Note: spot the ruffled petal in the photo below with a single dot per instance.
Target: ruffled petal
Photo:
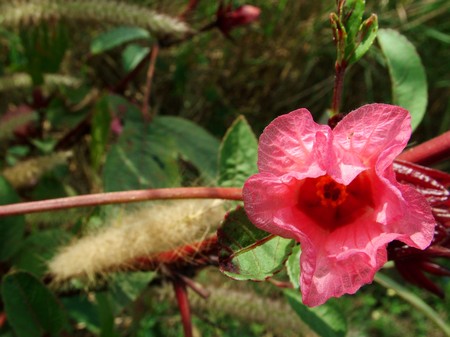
(370, 136)
(289, 144)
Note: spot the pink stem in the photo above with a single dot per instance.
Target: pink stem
(229, 193)
(183, 304)
(430, 152)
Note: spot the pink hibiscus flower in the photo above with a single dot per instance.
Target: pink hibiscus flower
(335, 192)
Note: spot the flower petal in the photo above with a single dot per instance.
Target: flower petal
(370, 136)
(289, 144)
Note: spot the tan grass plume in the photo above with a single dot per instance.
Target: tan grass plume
(150, 230)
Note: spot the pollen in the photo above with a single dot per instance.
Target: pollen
(330, 192)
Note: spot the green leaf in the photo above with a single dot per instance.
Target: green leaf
(293, 266)
(238, 154)
(32, 309)
(38, 248)
(351, 14)
(100, 130)
(248, 253)
(106, 315)
(409, 82)
(116, 37)
(132, 55)
(325, 320)
(194, 143)
(126, 287)
(12, 228)
(142, 158)
(415, 301)
(364, 40)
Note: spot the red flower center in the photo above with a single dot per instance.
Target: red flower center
(331, 204)
(330, 192)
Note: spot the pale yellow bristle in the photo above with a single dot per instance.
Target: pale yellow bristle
(149, 230)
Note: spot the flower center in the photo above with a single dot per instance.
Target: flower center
(330, 192)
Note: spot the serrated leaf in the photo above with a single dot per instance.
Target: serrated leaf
(32, 309)
(238, 154)
(132, 55)
(12, 228)
(116, 37)
(325, 320)
(142, 158)
(194, 143)
(409, 82)
(248, 253)
(293, 266)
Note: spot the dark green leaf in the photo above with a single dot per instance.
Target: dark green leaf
(325, 320)
(38, 248)
(293, 266)
(31, 308)
(132, 55)
(100, 129)
(116, 37)
(409, 82)
(238, 154)
(126, 287)
(106, 315)
(12, 228)
(141, 159)
(248, 253)
(194, 143)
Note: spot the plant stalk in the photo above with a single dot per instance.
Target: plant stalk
(340, 69)
(228, 193)
(430, 152)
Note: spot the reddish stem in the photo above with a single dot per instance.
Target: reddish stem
(430, 152)
(148, 84)
(338, 86)
(183, 304)
(229, 193)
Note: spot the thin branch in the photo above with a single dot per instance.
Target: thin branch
(148, 84)
(229, 193)
(183, 304)
(338, 86)
(430, 152)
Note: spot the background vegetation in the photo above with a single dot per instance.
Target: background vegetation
(60, 88)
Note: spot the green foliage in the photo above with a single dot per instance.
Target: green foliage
(12, 228)
(415, 301)
(100, 126)
(248, 253)
(408, 78)
(326, 320)
(116, 37)
(293, 267)
(32, 310)
(72, 66)
(238, 154)
(352, 35)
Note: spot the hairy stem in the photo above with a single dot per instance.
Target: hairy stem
(430, 152)
(229, 193)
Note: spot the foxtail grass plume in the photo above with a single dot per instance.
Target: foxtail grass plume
(152, 229)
